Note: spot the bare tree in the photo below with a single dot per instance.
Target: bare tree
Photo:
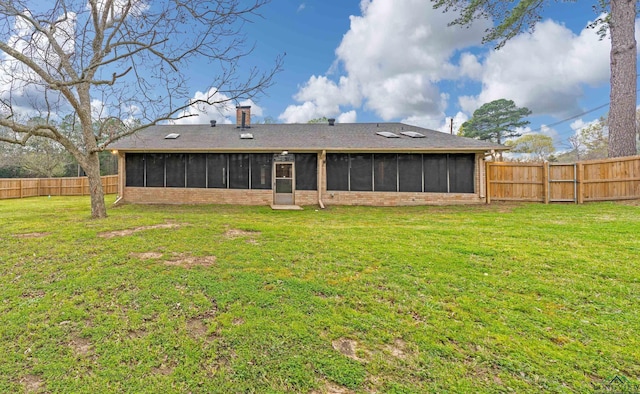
(589, 143)
(122, 62)
(43, 158)
(536, 147)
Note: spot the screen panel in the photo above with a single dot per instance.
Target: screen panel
(410, 172)
(134, 164)
(261, 168)
(462, 173)
(306, 171)
(239, 171)
(154, 165)
(196, 170)
(217, 170)
(361, 172)
(385, 172)
(435, 173)
(175, 167)
(337, 171)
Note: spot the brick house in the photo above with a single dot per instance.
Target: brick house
(300, 164)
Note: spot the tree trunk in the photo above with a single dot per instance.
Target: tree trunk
(92, 169)
(622, 113)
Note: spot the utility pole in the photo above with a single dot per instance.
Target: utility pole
(451, 126)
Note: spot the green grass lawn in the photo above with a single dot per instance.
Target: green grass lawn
(159, 299)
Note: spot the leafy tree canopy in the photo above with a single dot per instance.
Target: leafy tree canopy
(496, 121)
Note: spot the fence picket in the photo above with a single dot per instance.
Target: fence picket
(33, 187)
(593, 180)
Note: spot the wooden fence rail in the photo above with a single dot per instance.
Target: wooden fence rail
(594, 180)
(33, 187)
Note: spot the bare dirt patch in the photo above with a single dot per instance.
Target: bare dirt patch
(346, 347)
(332, 388)
(238, 321)
(186, 261)
(32, 383)
(164, 368)
(123, 233)
(234, 233)
(398, 349)
(33, 294)
(196, 328)
(133, 334)
(31, 235)
(80, 346)
(146, 255)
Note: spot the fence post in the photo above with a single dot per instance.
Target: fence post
(21, 193)
(545, 182)
(580, 180)
(487, 177)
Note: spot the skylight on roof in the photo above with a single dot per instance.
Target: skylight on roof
(387, 134)
(246, 136)
(171, 136)
(412, 134)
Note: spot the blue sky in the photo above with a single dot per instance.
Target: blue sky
(396, 60)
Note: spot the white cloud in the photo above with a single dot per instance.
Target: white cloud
(348, 117)
(396, 55)
(470, 66)
(97, 109)
(393, 55)
(135, 8)
(301, 7)
(300, 113)
(544, 71)
(321, 97)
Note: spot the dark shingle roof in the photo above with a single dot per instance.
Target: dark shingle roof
(298, 137)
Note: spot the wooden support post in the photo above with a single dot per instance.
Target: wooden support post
(580, 179)
(546, 186)
(21, 193)
(487, 177)
(321, 176)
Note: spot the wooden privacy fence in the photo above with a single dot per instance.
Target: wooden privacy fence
(33, 187)
(594, 180)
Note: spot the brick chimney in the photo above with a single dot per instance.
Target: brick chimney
(243, 116)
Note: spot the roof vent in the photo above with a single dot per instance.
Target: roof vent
(213, 123)
(412, 134)
(171, 136)
(246, 136)
(331, 121)
(387, 134)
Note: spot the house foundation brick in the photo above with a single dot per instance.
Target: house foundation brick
(159, 195)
